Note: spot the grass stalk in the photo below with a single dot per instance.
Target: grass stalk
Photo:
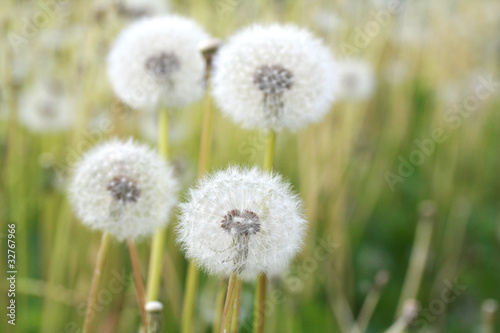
(419, 254)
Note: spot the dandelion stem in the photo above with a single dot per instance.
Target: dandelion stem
(139, 285)
(219, 305)
(259, 315)
(229, 305)
(269, 155)
(155, 260)
(96, 280)
(192, 272)
(261, 287)
(189, 297)
(236, 312)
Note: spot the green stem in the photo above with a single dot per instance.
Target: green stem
(192, 272)
(269, 154)
(189, 297)
(236, 312)
(261, 287)
(229, 305)
(418, 257)
(259, 315)
(219, 305)
(96, 280)
(139, 286)
(155, 261)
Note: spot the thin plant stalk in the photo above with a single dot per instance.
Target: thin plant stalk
(418, 258)
(158, 243)
(229, 305)
(370, 303)
(96, 280)
(236, 312)
(260, 304)
(261, 287)
(139, 284)
(192, 271)
(219, 305)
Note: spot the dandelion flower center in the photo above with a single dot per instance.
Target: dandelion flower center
(241, 222)
(163, 65)
(124, 189)
(273, 79)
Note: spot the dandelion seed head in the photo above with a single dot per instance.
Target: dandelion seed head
(156, 62)
(242, 220)
(46, 108)
(356, 80)
(274, 77)
(124, 188)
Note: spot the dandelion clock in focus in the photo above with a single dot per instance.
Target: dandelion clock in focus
(356, 80)
(46, 108)
(123, 188)
(155, 62)
(243, 221)
(274, 77)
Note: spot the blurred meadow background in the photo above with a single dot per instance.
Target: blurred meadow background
(401, 188)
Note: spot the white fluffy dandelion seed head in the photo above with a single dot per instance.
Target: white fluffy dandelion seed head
(124, 188)
(156, 61)
(356, 80)
(274, 77)
(46, 108)
(242, 220)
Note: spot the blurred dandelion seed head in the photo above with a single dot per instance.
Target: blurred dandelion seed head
(275, 77)
(356, 80)
(124, 188)
(46, 108)
(156, 62)
(242, 220)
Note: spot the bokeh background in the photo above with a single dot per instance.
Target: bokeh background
(407, 177)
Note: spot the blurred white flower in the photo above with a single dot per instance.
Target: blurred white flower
(124, 188)
(356, 80)
(274, 77)
(242, 220)
(140, 8)
(46, 108)
(156, 61)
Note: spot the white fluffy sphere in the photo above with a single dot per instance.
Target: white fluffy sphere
(356, 80)
(46, 108)
(242, 220)
(274, 77)
(124, 188)
(156, 61)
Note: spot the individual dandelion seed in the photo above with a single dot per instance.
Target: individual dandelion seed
(274, 77)
(155, 62)
(356, 80)
(124, 188)
(46, 108)
(243, 221)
